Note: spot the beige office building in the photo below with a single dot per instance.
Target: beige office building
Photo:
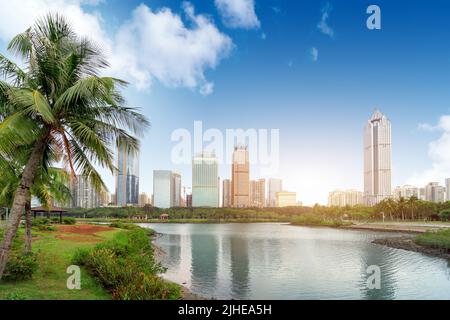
(258, 193)
(286, 199)
(342, 198)
(226, 193)
(240, 181)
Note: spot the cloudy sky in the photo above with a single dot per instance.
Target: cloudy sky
(309, 68)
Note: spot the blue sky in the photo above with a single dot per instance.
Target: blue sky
(249, 64)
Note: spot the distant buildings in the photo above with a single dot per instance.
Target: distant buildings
(286, 199)
(166, 189)
(339, 198)
(447, 186)
(205, 181)
(144, 199)
(84, 194)
(406, 192)
(240, 178)
(434, 192)
(127, 177)
(377, 159)
(226, 193)
(258, 193)
(274, 186)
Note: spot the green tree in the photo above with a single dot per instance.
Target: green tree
(59, 109)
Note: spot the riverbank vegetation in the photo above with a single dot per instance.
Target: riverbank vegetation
(436, 239)
(391, 210)
(125, 266)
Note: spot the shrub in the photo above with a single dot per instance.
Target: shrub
(445, 215)
(438, 240)
(125, 266)
(126, 226)
(45, 227)
(20, 267)
(41, 222)
(69, 220)
(16, 296)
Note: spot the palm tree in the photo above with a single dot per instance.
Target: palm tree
(59, 109)
(412, 203)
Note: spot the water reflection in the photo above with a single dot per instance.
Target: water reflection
(274, 261)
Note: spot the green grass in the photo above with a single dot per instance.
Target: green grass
(438, 240)
(317, 221)
(49, 282)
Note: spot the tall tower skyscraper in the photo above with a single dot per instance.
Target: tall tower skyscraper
(84, 194)
(274, 186)
(205, 181)
(127, 177)
(226, 193)
(240, 181)
(377, 159)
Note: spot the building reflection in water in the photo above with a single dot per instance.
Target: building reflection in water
(239, 267)
(204, 263)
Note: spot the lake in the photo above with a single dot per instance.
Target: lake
(279, 261)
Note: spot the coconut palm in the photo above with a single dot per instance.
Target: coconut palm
(59, 108)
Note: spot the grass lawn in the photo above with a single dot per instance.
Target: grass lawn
(438, 240)
(55, 250)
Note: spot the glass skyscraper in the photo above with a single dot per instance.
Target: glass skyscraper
(205, 181)
(127, 177)
(166, 189)
(377, 159)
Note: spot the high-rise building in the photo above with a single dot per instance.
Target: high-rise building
(175, 188)
(226, 193)
(434, 192)
(447, 187)
(274, 186)
(143, 199)
(339, 198)
(205, 181)
(240, 181)
(377, 159)
(258, 193)
(286, 199)
(406, 192)
(127, 177)
(166, 189)
(84, 194)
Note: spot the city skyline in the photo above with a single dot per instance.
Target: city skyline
(312, 98)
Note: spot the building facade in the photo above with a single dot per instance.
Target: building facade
(406, 192)
(377, 159)
(144, 199)
(258, 193)
(127, 177)
(226, 193)
(166, 189)
(447, 187)
(84, 194)
(434, 192)
(205, 181)
(286, 199)
(240, 178)
(340, 198)
(273, 186)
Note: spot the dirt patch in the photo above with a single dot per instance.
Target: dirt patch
(84, 229)
(79, 239)
(407, 243)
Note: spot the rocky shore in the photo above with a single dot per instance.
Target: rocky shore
(407, 243)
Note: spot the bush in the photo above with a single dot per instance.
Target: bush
(41, 222)
(317, 220)
(445, 215)
(20, 267)
(16, 296)
(45, 228)
(125, 266)
(437, 240)
(126, 226)
(69, 220)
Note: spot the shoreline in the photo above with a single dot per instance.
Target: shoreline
(186, 294)
(407, 243)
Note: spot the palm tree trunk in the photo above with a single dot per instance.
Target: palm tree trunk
(20, 198)
(28, 238)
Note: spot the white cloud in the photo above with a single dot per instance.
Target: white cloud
(439, 154)
(238, 13)
(323, 24)
(153, 45)
(314, 54)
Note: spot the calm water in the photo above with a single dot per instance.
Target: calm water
(276, 261)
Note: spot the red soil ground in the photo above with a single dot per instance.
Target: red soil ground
(81, 233)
